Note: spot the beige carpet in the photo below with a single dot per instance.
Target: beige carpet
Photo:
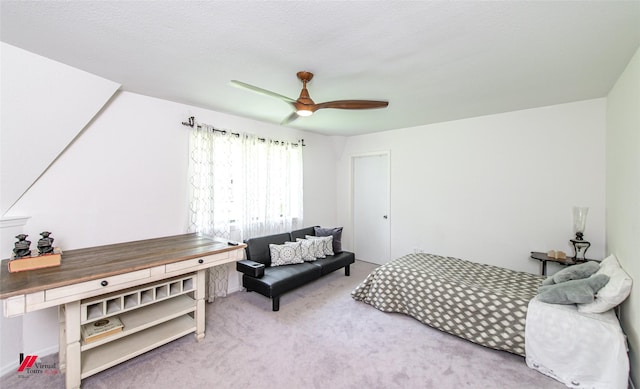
(320, 338)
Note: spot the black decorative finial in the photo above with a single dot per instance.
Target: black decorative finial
(191, 122)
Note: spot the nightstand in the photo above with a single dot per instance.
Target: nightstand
(544, 258)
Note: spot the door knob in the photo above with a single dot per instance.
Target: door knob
(385, 216)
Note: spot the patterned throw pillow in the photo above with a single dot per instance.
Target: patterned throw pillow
(307, 249)
(285, 254)
(327, 243)
(316, 247)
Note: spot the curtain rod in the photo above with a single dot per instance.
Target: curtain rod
(191, 122)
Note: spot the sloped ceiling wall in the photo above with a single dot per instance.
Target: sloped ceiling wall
(35, 125)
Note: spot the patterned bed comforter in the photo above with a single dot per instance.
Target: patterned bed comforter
(481, 303)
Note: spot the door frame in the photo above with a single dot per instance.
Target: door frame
(352, 158)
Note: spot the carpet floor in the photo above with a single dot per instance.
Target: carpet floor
(320, 338)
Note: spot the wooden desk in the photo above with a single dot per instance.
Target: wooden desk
(155, 285)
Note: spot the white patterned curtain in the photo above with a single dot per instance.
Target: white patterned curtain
(211, 174)
(242, 187)
(273, 187)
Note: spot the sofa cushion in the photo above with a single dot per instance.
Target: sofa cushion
(307, 249)
(334, 262)
(316, 247)
(258, 248)
(336, 232)
(280, 279)
(286, 254)
(327, 243)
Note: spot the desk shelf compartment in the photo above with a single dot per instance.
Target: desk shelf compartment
(146, 317)
(120, 350)
(124, 301)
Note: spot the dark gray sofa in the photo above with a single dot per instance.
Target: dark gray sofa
(273, 281)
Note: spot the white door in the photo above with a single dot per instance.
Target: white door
(371, 207)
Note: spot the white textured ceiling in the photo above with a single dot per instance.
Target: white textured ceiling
(433, 61)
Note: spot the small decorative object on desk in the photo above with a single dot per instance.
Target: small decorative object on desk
(22, 247)
(24, 259)
(45, 244)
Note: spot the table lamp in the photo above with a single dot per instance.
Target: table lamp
(580, 246)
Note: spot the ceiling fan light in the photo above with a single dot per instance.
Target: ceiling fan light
(304, 112)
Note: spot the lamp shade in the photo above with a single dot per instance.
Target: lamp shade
(580, 219)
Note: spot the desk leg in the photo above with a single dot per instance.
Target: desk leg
(72, 346)
(62, 340)
(200, 303)
(544, 268)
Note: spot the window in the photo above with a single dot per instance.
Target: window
(243, 186)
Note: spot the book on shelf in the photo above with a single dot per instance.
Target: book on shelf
(34, 262)
(101, 329)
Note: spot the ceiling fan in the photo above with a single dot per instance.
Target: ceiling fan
(304, 106)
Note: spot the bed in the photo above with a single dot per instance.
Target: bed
(484, 304)
(500, 309)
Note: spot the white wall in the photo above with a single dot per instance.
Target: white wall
(125, 178)
(623, 194)
(493, 188)
(34, 137)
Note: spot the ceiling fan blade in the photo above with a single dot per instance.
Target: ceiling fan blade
(261, 91)
(352, 104)
(290, 118)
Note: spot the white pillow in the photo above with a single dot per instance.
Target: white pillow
(316, 247)
(285, 254)
(614, 292)
(307, 249)
(327, 243)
